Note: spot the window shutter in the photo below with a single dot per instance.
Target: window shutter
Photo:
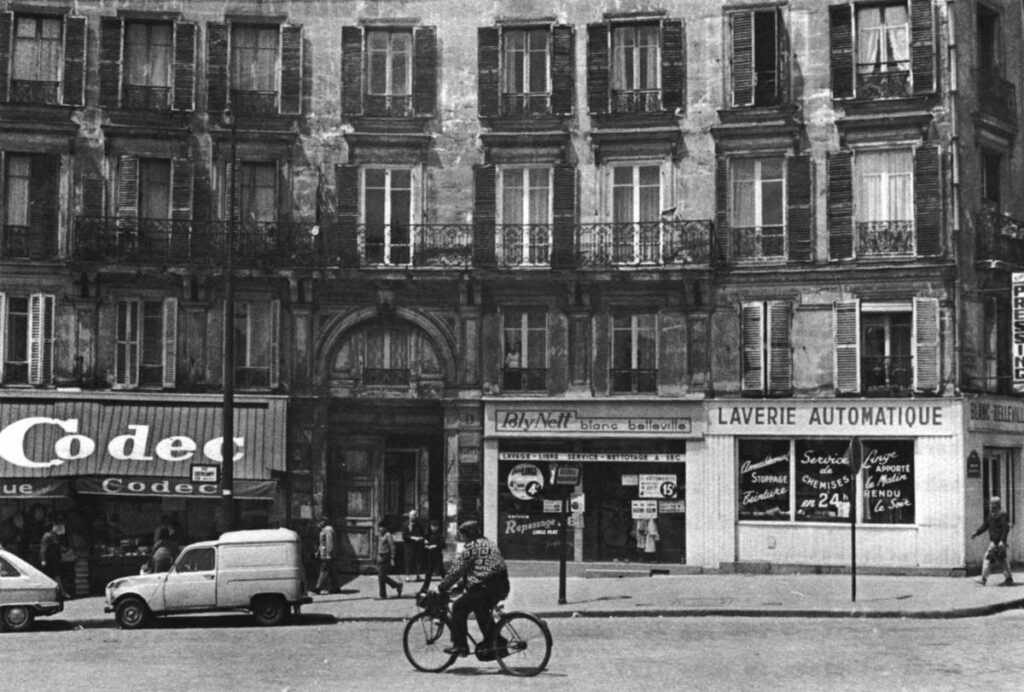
(3, 332)
(597, 67)
(782, 56)
(291, 69)
(752, 328)
(563, 69)
(127, 186)
(170, 378)
(275, 343)
(484, 214)
(74, 61)
(6, 45)
(346, 177)
(798, 199)
(926, 345)
(184, 66)
(351, 70)
(424, 70)
(488, 41)
(40, 339)
(922, 46)
(126, 338)
(564, 213)
(846, 341)
(218, 37)
(202, 196)
(780, 354)
(673, 65)
(742, 58)
(722, 207)
(231, 187)
(928, 200)
(841, 50)
(111, 61)
(44, 204)
(840, 205)
(181, 189)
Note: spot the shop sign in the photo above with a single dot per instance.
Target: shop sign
(630, 479)
(658, 485)
(204, 473)
(1006, 415)
(145, 487)
(920, 418)
(567, 475)
(576, 521)
(530, 525)
(1017, 288)
(644, 509)
(525, 481)
(672, 507)
(578, 503)
(33, 487)
(547, 421)
(575, 457)
(552, 506)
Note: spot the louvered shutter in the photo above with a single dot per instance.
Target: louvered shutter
(352, 70)
(484, 214)
(926, 345)
(128, 186)
(291, 69)
(752, 338)
(424, 70)
(275, 344)
(673, 65)
(3, 332)
(780, 354)
(126, 355)
(181, 189)
(782, 56)
(111, 61)
(564, 212)
(563, 69)
(488, 42)
(597, 67)
(44, 204)
(722, 207)
(6, 49)
(170, 343)
(218, 39)
(928, 200)
(184, 95)
(841, 50)
(231, 193)
(846, 345)
(922, 46)
(840, 205)
(742, 58)
(798, 210)
(346, 244)
(40, 339)
(74, 61)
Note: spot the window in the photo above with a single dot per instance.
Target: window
(996, 349)
(26, 339)
(524, 367)
(758, 206)
(388, 216)
(525, 71)
(999, 479)
(635, 78)
(254, 68)
(764, 480)
(197, 560)
(634, 353)
(766, 359)
(257, 193)
(884, 202)
(759, 54)
(636, 214)
(989, 40)
(256, 343)
(15, 366)
(145, 345)
(883, 50)
(991, 180)
(154, 189)
(386, 356)
(389, 70)
(885, 352)
(36, 68)
(635, 67)
(526, 215)
(16, 230)
(148, 59)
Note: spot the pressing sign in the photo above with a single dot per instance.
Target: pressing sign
(658, 485)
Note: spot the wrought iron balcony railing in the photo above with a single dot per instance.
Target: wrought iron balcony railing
(759, 243)
(419, 245)
(885, 238)
(34, 91)
(669, 242)
(388, 105)
(891, 82)
(146, 98)
(633, 381)
(999, 237)
(997, 96)
(527, 245)
(524, 379)
(525, 104)
(636, 101)
(887, 374)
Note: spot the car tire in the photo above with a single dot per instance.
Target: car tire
(131, 614)
(269, 610)
(17, 618)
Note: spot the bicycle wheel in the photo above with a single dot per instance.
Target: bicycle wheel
(522, 643)
(424, 642)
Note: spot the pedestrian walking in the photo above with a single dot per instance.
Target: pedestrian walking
(997, 523)
(50, 552)
(327, 582)
(412, 546)
(433, 554)
(386, 562)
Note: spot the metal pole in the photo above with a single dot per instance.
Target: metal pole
(228, 424)
(562, 539)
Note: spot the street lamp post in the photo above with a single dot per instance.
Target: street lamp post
(228, 422)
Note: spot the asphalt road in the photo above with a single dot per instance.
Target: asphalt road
(228, 653)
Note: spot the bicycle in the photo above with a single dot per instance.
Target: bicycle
(521, 644)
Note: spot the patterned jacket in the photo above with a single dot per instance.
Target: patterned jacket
(479, 564)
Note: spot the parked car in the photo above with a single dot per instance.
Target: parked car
(259, 571)
(25, 593)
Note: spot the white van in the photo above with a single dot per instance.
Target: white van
(259, 571)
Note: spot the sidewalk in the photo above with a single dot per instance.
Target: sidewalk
(675, 596)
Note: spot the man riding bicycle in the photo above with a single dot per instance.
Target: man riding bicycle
(483, 576)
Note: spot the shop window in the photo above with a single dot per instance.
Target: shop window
(757, 217)
(388, 209)
(26, 339)
(999, 479)
(257, 343)
(764, 480)
(767, 360)
(146, 343)
(636, 213)
(634, 353)
(525, 223)
(525, 347)
(759, 55)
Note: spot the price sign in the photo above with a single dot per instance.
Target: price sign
(658, 485)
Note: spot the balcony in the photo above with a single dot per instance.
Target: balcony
(525, 104)
(759, 243)
(388, 105)
(999, 237)
(885, 238)
(146, 98)
(524, 379)
(633, 381)
(889, 80)
(419, 245)
(997, 97)
(669, 242)
(32, 91)
(887, 375)
(636, 101)
(525, 245)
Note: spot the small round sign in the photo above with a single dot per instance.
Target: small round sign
(668, 489)
(525, 481)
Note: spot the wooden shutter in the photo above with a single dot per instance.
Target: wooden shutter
(184, 67)
(424, 70)
(922, 46)
(742, 58)
(598, 55)
(488, 81)
(40, 339)
(231, 187)
(291, 69)
(926, 345)
(3, 332)
(346, 177)
(275, 344)
(563, 69)
(352, 70)
(564, 212)
(74, 61)
(782, 48)
(6, 49)
(170, 340)
(127, 186)
(722, 207)
(840, 205)
(181, 189)
(484, 214)
(780, 354)
(846, 346)
(752, 339)
(673, 65)
(841, 50)
(126, 338)
(218, 40)
(44, 204)
(798, 206)
(111, 61)
(928, 200)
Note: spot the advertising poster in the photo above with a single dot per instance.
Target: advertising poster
(645, 509)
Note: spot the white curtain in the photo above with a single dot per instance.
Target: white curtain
(884, 180)
(744, 194)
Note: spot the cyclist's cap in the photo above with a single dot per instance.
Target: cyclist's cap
(472, 527)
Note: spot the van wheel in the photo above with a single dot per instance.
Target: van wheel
(269, 610)
(131, 614)
(17, 618)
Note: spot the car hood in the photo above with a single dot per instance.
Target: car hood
(142, 584)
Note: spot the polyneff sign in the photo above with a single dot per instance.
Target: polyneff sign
(1018, 331)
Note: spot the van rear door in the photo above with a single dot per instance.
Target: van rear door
(192, 582)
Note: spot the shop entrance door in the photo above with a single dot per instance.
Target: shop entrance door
(999, 479)
(353, 482)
